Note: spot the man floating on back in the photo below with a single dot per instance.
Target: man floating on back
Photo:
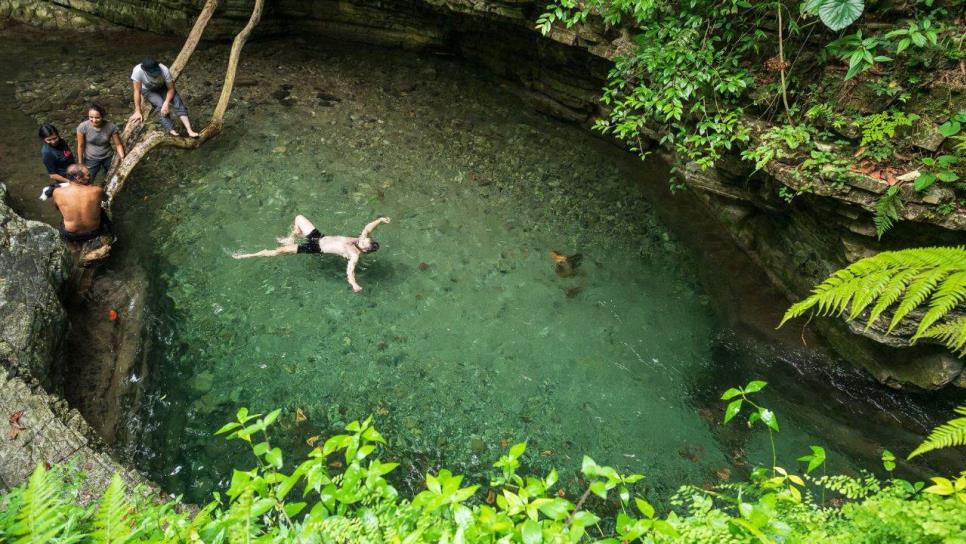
(316, 242)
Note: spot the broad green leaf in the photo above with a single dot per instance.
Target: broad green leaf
(755, 386)
(645, 507)
(815, 460)
(768, 417)
(732, 410)
(950, 128)
(599, 488)
(888, 460)
(228, 427)
(838, 14)
(556, 509)
(924, 181)
(730, 394)
(531, 533)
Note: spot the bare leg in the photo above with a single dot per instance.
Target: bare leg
(283, 250)
(303, 225)
(187, 126)
(300, 227)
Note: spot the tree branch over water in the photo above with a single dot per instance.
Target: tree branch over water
(140, 143)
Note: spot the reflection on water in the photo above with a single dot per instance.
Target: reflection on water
(465, 338)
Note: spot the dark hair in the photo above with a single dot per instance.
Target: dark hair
(75, 171)
(47, 130)
(373, 246)
(98, 109)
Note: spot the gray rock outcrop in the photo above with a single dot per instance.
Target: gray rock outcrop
(33, 267)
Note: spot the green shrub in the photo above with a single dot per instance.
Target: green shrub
(309, 502)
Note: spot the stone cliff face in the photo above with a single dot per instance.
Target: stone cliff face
(797, 244)
(38, 426)
(33, 266)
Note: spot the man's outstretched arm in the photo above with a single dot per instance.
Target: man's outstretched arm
(372, 226)
(350, 273)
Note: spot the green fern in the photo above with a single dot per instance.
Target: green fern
(903, 280)
(43, 512)
(111, 526)
(887, 211)
(952, 433)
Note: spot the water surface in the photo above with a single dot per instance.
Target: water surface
(465, 338)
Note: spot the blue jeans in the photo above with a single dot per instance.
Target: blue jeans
(95, 165)
(156, 98)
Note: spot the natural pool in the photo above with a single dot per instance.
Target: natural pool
(465, 339)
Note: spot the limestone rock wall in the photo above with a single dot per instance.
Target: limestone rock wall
(33, 266)
(36, 425)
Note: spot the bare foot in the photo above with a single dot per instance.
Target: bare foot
(173, 132)
(193, 134)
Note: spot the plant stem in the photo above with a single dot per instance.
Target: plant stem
(580, 504)
(781, 62)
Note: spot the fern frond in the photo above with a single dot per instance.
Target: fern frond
(886, 211)
(891, 293)
(43, 513)
(111, 525)
(952, 333)
(900, 280)
(917, 293)
(952, 433)
(950, 294)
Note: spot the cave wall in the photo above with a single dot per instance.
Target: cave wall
(797, 244)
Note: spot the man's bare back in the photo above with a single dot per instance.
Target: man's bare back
(80, 205)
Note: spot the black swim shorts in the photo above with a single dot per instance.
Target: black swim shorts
(106, 227)
(311, 244)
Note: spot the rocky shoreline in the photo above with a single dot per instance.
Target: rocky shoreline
(40, 426)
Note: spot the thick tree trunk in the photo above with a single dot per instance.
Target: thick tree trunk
(140, 143)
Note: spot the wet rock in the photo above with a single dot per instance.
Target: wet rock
(51, 435)
(33, 268)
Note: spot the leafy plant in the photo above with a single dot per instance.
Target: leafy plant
(887, 210)
(900, 282)
(952, 433)
(835, 14)
(918, 33)
(940, 169)
(861, 53)
(312, 503)
(778, 143)
(879, 127)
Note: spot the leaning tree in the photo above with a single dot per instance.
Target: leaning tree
(140, 140)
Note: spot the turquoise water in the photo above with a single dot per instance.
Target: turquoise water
(465, 338)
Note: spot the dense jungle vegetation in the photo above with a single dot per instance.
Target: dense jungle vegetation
(314, 501)
(831, 92)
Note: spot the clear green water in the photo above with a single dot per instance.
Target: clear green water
(465, 339)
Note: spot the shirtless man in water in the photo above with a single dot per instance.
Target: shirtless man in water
(316, 242)
(79, 203)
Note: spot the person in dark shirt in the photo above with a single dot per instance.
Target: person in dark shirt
(55, 153)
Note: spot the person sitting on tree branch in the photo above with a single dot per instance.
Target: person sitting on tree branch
(155, 82)
(316, 242)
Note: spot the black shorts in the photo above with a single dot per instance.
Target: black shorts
(311, 244)
(105, 228)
